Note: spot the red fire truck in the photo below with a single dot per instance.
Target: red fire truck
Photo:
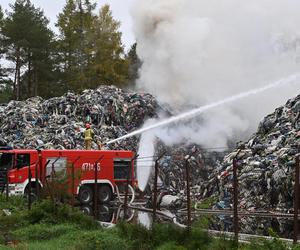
(23, 170)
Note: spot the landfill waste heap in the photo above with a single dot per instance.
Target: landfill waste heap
(266, 163)
(58, 123)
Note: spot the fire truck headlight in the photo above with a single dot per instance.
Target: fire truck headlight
(11, 177)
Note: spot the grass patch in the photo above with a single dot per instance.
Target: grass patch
(14, 203)
(56, 226)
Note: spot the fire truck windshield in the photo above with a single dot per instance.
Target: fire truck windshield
(6, 160)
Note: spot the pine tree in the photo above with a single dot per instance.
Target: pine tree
(5, 82)
(108, 64)
(74, 23)
(2, 47)
(29, 42)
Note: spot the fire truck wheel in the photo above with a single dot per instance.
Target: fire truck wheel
(33, 196)
(105, 194)
(85, 195)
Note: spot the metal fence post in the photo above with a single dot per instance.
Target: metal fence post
(46, 181)
(188, 192)
(155, 190)
(126, 194)
(37, 182)
(296, 200)
(7, 186)
(235, 201)
(154, 205)
(96, 186)
(73, 181)
(96, 191)
(29, 188)
(129, 178)
(73, 186)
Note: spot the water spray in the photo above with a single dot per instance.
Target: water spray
(197, 111)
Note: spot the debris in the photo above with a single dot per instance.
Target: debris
(6, 212)
(266, 165)
(58, 122)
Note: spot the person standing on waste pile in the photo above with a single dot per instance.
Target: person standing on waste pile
(88, 137)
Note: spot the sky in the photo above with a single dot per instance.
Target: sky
(120, 9)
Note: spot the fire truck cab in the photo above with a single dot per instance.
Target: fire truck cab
(21, 169)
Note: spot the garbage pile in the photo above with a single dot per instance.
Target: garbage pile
(266, 163)
(58, 123)
(283, 227)
(172, 184)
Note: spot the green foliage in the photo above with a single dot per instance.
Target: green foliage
(171, 246)
(139, 236)
(207, 203)
(51, 225)
(50, 213)
(75, 25)
(37, 232)
(107, 61)
(28, 43)
(168, 232)
(14, 203)
(104, 240)
(87, 52)
(90, 46)
(6, 93)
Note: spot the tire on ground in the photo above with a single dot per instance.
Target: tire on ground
(85, 195)
(105, 193)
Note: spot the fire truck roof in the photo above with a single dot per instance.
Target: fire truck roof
(11, 150)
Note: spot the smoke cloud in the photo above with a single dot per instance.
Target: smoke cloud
(196, 52)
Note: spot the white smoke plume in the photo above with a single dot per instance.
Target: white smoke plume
(195, 52)
(145, 160)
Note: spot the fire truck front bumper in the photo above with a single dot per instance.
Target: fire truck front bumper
(15, 189)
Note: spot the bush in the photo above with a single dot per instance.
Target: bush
(49, 213)
(103, 240)
(139, 236)
(171, 246)
(41, 232)
(14, 203)
(162, 233)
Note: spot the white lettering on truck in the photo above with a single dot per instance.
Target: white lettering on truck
(86, 166)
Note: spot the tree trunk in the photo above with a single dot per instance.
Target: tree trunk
(18, 80)
(35, 83)
(15, 82)
(29, 86)
(17, 72)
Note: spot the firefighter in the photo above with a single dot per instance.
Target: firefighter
(88, 137)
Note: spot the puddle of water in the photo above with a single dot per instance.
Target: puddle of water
(114, 214)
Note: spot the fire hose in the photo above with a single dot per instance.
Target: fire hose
(132, 192)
